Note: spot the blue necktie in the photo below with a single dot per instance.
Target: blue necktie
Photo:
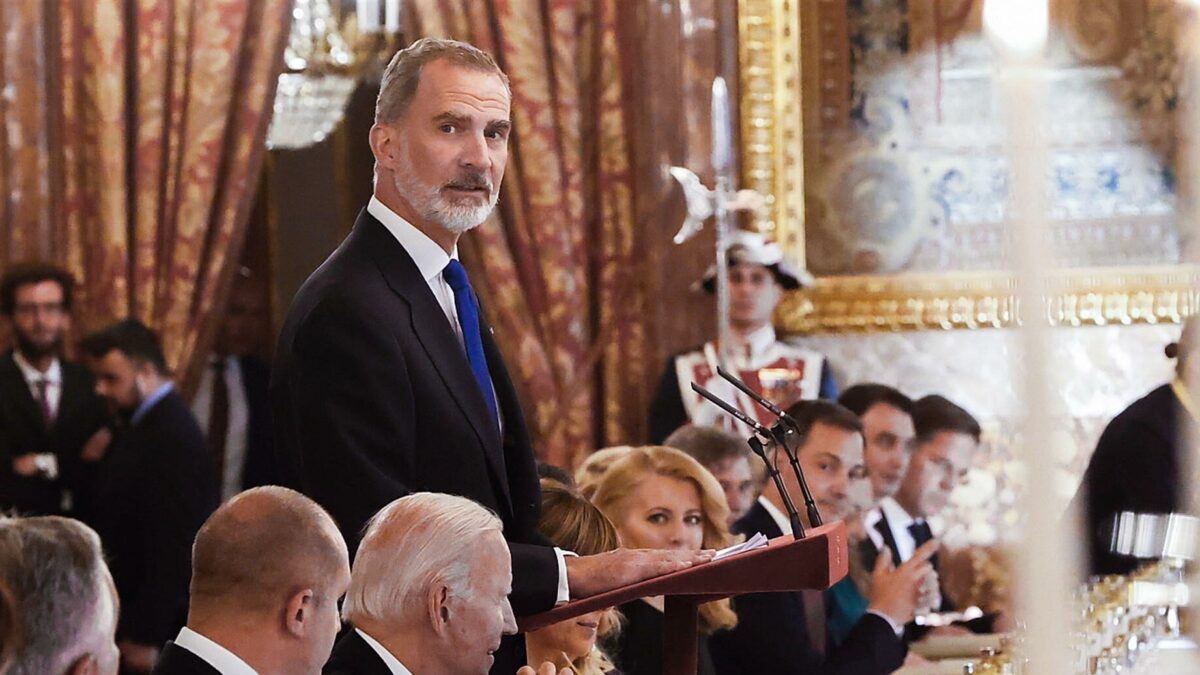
(468, 318)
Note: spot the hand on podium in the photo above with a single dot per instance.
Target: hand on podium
(589, 575)
(896, 592)
(546, 668)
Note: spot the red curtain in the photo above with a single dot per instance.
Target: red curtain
(559, 275)
(134, 138)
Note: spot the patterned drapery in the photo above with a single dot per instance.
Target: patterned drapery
(134, 134)
(557, 263)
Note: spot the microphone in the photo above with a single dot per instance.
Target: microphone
(810, 505)
(756, 445)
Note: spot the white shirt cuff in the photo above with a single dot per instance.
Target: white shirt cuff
(564, 589)
(897, 628)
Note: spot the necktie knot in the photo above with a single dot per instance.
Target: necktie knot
(456, 276)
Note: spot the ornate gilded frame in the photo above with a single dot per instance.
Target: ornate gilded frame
(771, 51)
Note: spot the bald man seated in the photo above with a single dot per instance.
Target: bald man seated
(268, 569)
(428, 592)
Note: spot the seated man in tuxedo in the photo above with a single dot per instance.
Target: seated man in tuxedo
(947, 437)
(728, 458)
(787, 632)
(232, 403)
(54, 570)
(428, 591)
(268, 569)
(153, 490)
(52, 424)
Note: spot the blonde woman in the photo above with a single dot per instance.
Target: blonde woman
(572, 523)
(658, 497)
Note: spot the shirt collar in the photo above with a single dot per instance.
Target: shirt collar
(225, 661)
(53, 374)
(389, 660)
(784, 523)
(898, 518)
(758, 341)
(430, 258)
(148, 403)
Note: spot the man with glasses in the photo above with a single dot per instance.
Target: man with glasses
(51, 421)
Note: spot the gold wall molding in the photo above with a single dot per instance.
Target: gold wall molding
(1093, 297)
(777, 45)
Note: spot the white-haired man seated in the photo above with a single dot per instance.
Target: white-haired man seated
(54, 570)
(428, 591)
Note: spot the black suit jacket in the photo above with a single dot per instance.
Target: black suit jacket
(772, 632)
(154, 490)
(373, 398)
(175, 660)
(23, 430)
(353, 656)
(1135, 468)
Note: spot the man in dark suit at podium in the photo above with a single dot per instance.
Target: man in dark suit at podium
(787, 632)
(153, 490)
(387, 378)
(52, 424)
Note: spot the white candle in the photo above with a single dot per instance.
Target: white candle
(391, 16)
(1045, 570)
(368, 15)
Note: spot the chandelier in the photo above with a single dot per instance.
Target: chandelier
(324, 61)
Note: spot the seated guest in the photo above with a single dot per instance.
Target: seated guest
(727, 458)
(152, 492)
(52, 422)
(658, 497)
(1137, 463)
(787, 632)
(947, 437)
(428, 591)
(886, 416)
(54, 571)
(589, 473)
(572, 523)
(268, 569)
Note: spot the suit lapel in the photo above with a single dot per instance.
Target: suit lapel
(885, 530)
(434, 333)
(74, 393)
(17, 389)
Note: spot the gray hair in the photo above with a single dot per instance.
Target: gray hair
(412, 544)
(403, 73)
(55, 571)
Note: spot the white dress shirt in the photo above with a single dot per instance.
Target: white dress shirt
(52, 376)
(431, 260)
(393, 663)
(239, 420)
(225, 661)
(898, 519)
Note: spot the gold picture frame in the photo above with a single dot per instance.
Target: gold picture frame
(773, 45)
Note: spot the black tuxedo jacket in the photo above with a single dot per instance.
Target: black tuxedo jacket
(261, 464)
(772, 632)
(373, 398)
(23, 430)
(1135, 468)
(175, 660)
(353, 656)
(154, 490)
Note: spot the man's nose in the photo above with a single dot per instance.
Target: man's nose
(475, 153)
(510, 621)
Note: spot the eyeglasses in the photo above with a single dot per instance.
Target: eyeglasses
(33, 309)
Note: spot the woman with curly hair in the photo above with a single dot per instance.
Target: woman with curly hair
(659, 497)
(572, 523)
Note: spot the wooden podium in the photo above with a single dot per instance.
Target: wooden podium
(816, 562)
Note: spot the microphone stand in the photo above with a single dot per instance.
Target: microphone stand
(756, 444)
(810, 505)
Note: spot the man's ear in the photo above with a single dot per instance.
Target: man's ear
(438, 606)
(383, 139)
(84, 665)
(298, 615)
